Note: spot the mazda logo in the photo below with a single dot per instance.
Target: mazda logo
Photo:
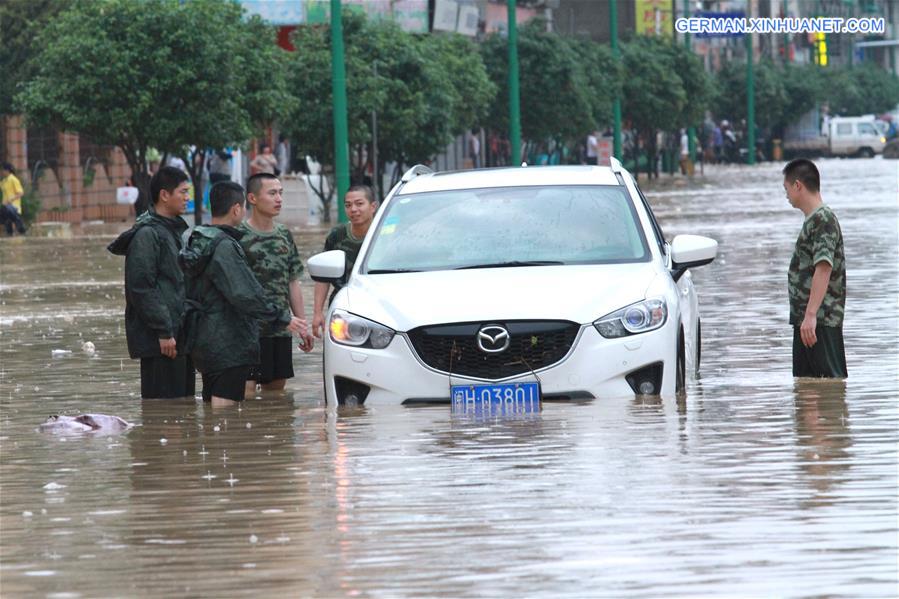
(493, 339)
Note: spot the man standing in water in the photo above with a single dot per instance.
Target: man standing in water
(154, 288)
(817, 278)
(360, 205)
(275, 260)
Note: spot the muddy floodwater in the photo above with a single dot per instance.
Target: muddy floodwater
(752, 485)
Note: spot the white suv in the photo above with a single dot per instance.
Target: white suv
(513, 285)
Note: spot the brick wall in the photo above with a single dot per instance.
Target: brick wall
(69, 193)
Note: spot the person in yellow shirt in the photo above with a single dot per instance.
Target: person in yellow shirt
(11, 210)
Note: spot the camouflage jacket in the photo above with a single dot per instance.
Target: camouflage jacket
(819, 240)
(341, 238)
(275, 260)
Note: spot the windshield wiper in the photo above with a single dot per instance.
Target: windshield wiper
(390, 271)
(511, 263)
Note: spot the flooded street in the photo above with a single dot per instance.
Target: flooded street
(753, 485)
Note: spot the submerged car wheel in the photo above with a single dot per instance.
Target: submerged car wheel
(866, 153)
(680, 381)
(698, 345)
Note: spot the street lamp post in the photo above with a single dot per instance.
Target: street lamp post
(514, 100)
(616, 105)
(750, 103)
(691, 131)
(341, 129)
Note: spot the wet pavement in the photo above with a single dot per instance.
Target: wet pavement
(752, 485)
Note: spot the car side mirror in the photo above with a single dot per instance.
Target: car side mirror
(327, 267)
(688, 251)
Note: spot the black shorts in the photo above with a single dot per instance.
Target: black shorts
(228, 383)
(276, 360)
(164, 378)
(826, 358)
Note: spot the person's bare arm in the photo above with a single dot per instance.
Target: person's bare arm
(820, 280)
(297, 306)
(318, 306)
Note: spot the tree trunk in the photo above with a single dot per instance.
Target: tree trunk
(196, 177)
(141, 180)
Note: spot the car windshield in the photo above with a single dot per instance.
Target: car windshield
(510, 226)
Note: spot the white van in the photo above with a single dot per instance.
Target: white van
(838, 136)
(855, 135)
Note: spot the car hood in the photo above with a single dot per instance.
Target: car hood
(577, 293)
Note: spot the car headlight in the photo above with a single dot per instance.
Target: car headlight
(641, 317)
(349, 329)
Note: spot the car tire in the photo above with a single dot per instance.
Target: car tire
(680, 381)
(866, 153)
(698, 345)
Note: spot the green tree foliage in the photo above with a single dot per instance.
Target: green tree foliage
(557, 102)
(603, 76)
(770, 93)
(156, 74)
(862, 89)
(20, 21)
(665, 88)
(424, 89)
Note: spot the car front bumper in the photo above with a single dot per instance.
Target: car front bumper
(595, 367)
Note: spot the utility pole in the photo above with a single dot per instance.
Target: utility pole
(750, 103)
(691, 131)
(341, 130)
(616, 54)
(514, 101)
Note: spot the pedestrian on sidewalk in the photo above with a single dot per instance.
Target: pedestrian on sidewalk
(264, 162)
(154, 288)
(230, 302)
(12, 192)
(275, 261)
(816, 278)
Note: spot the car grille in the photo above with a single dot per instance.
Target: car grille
(453, 348)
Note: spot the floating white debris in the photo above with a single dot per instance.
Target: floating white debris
(249, 425)
(53, 487)
(209, 476)
(57, 353)
(163, 441)
(254, 539)
(27, 514)
(216, 428)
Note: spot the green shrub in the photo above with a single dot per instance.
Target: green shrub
(31, 205)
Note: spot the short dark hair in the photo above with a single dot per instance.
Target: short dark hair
(223, 196)
(803, 169)
(254, 183)
(7, 167)
(263, 146)
(369, 194)
(167, 178)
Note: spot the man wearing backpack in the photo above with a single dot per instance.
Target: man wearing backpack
(229, 300)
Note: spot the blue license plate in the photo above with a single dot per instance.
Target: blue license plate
(511, 398)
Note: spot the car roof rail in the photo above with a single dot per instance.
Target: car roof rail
(418, 169)
(616, 165)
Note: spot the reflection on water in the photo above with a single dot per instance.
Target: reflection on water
(822, 434)
(750, 484)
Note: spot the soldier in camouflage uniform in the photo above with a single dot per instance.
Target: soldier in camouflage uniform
(360, 205)
(273, 256)
(816, 279)
(229, 304)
